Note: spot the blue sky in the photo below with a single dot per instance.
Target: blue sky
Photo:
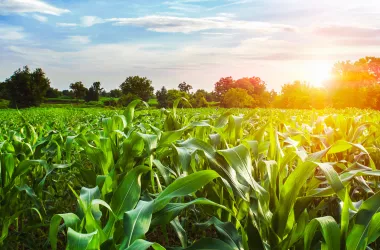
(197, 41)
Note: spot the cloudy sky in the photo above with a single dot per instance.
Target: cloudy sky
(197, 41)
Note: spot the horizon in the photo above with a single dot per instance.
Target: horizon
(196, 41)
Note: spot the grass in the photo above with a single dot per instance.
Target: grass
(189, 178)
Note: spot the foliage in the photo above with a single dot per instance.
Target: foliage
(3, 90)
(93, 92)
(302, 96)
(162, 97)
(116, 93)
(254, 86)
(198, 99)
(189, 179)
(348, 81)
(27, 89)
(138, 86)
(184, 87)
(79, 90)
(237, 98)
(174, 95)
(124, 100)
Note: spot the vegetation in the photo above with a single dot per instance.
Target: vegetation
(348, 80)
(189, 178)
(139, 87)
(25, 88)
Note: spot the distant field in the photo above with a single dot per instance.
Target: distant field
(292, 178)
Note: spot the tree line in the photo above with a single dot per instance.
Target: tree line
(352, 84)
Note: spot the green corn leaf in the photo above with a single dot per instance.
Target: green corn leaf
(143, 245)
(288, 195)
(172, 210)
(330, 232)
(226, 231)
(127, 193)
(71, 221)
(180, 231)
(129, 112)
(218, 163)
(358, 236)
(374, 229)
(209, 244)
(184, 186)
(79, 241)
(137, 222)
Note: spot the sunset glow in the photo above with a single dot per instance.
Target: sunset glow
(197, 41)
(320, 73)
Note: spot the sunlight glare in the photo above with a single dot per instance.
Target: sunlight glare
(319, 73)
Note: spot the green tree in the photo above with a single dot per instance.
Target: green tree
(174, 94)
(79, 90)
(237, 98)
(301, 95)
(352, 79)
(162, 97)
(198, 99)
(68, 93)
(53, 93)
(93, 92)
(4, 91)
(124, 100)
(184, 87)
(139, 86)
(115, 93)
(27, 89)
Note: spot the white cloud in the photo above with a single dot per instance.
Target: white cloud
(88, 21)
(347, 31)
(228, 15)
(11, 33)
(40, 18)
(29, 6)
(201, 62)
(79, 39)
(173, 24)
(66, 24)
(184, 6)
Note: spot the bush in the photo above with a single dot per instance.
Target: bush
(126, 99)
(237, 98)
(4, 104)
(110, 102)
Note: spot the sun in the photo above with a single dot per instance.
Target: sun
(319, 73)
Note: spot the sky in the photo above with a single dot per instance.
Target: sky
(196, 41)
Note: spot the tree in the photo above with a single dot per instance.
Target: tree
(115, 93)
(237, 98)
(3, 91)
(245, 83)
(301, 95)
(222, 86)
(68, 93)
(27, 89)
(184, 87)
(258, 85)
(139, 86)
(124, 100)
(79, 90)
(198, 99)
(93, 92)
(174, 94)
(162, 98)
(352, 79)
(53, 93)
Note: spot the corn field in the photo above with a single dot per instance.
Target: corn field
(189, 179)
